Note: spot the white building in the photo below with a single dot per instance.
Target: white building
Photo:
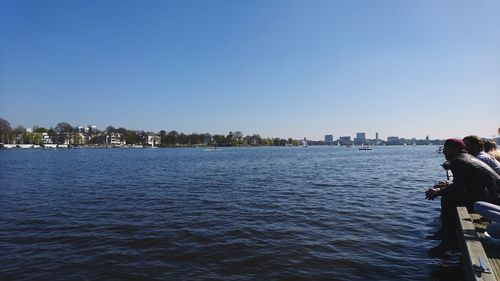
(115, 139)
(153, 140)
(46, 139)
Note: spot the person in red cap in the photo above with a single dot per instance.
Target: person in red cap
(472, 181)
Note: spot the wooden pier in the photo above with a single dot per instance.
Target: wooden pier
(481, 260)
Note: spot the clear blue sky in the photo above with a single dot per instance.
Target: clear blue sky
(277, 68)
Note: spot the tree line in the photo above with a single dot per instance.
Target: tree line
(63, 132)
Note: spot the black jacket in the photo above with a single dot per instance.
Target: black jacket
(473, 180)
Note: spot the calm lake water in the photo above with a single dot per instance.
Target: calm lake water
(235, 214)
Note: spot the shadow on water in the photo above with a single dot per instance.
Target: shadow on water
(446, 269)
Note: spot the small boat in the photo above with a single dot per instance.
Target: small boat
(365, 147)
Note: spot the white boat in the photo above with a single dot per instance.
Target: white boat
(50, 146)
(25, 145)
(365, 147)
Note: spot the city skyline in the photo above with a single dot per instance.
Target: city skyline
(352, 137)
(274, 68)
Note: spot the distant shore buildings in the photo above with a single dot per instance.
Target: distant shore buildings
(361, 139)
(63, 134)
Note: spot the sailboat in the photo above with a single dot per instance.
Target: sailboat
(304, 143)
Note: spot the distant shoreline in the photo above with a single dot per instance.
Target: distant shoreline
(64, 146)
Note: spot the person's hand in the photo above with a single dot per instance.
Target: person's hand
(432, 193)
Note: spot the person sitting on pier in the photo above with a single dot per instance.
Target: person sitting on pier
(472, 181)
(475, 147)
(491, 148)
(491, 212)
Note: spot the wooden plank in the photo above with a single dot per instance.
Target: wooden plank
(492, 251)
(472, 249)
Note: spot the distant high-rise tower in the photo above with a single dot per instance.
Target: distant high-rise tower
(360, 138)
(376, 136)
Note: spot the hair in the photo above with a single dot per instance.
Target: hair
(476, 141)
(490, 145)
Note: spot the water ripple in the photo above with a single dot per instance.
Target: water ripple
(237, 214)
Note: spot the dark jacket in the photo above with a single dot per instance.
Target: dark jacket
(473, 180)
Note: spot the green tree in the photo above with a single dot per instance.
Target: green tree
(63, 127)
(97, 139)
(27, 138)
(206, 138)
(195, 139)
(218, 139)
(121, 131)
(64, 131)
(5, 130)
(172, 138)
(142, 137)
(163, 138)
(40, 130)
(255, 139)
(267, 141)
(52, 134)
(238, 135)
(37, 138)
(131, 137)
(183, 139)
(77, 139)
(230, 139)
(110, 129)
(17, 135)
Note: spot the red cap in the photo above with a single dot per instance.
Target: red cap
(455, 143)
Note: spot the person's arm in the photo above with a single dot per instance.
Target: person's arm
(436, 190)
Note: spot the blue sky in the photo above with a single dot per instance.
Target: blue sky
(277, 68)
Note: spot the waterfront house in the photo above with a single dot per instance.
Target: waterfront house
(46, 139)
(115, 139)
(153, 140)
